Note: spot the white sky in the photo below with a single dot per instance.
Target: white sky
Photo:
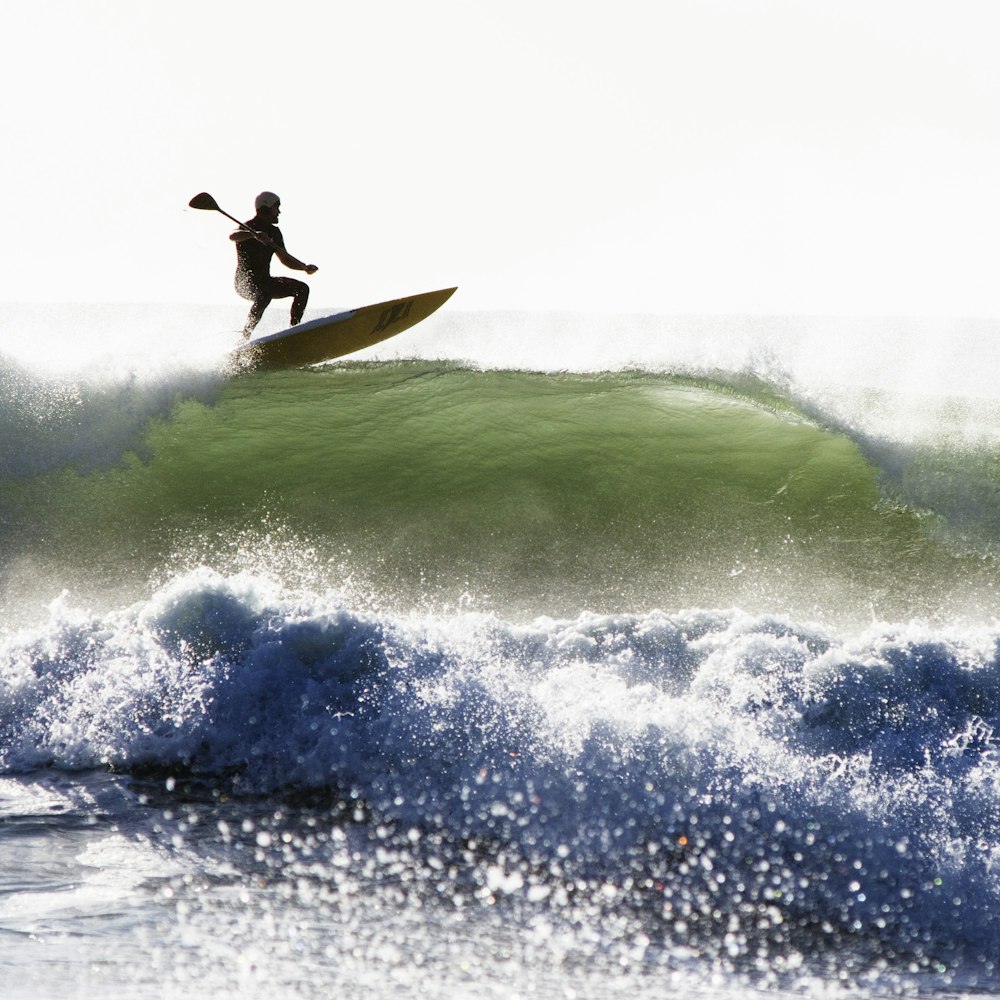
(708, 156)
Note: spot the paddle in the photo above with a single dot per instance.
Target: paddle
(207, 202)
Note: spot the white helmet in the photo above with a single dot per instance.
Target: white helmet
(266, 199)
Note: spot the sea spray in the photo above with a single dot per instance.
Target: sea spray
(715, 769)
(649, 672)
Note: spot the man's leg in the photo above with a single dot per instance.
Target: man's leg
(247, 288)
(260, 303)
(283, 288)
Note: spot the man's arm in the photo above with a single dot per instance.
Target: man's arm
(242, 235)
(293, 262)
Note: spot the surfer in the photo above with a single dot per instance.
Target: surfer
(254, 250)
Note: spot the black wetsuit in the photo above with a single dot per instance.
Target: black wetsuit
(254, 279)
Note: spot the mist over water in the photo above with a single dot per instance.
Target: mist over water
(523, 655)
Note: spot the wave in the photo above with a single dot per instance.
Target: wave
(609, 646)
(85, 422)
(535, 492)
(726, 772)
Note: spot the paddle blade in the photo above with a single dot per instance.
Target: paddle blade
(204, 200)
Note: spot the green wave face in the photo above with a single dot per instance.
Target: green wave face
(531, 494)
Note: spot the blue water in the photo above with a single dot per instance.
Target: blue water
(447, 671)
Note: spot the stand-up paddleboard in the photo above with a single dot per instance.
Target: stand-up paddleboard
(334, 336)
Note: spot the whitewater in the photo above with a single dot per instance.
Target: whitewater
(522, 655)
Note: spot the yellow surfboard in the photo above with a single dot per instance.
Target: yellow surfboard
(334, 336)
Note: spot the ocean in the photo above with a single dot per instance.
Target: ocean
(520, 656)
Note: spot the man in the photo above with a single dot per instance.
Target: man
(255, 245)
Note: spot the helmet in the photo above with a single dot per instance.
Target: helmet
(266, 199)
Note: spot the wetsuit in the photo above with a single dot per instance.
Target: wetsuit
(254, 280)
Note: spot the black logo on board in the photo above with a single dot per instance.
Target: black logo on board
(392, 314)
